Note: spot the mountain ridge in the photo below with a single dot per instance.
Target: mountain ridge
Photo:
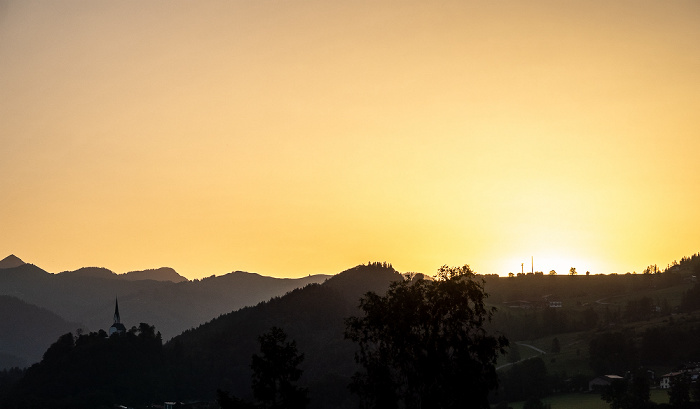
(158, 274)
(85, 297)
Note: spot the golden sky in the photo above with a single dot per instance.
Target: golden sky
(291, 137)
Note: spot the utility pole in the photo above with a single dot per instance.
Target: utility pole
(532, 258)
(522, 268)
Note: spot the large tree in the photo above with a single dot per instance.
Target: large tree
(423, 344)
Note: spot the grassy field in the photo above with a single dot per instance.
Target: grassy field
(588, 400)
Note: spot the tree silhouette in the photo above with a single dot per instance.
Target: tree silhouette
(679, 394)
(275, 372)
(629, 394)
(93, 370)
(424, 345)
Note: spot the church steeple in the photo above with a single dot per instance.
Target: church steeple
(117, 327)
(116, 312)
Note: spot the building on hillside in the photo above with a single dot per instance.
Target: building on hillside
(665, 382)
(117, 327)
(691, 370)
(601, 382)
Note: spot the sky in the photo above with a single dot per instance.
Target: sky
(293, 137)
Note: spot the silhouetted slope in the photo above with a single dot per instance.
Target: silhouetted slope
(89, 272)
(357, 281)
(188, 304)
(217, 354)
(26, 331)
(158, 274)
(10, 261)
(86, 296)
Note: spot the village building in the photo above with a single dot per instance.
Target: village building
(601, 382)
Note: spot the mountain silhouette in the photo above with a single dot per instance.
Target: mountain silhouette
(158, 274)
(85, 296)
(26, 331)
(10, 262)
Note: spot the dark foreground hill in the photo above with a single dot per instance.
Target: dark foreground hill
(217, 355)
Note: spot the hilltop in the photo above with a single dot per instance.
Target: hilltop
(10, 262)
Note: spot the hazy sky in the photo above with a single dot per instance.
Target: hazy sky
(295, 137)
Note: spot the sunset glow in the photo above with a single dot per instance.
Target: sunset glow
(291, 138)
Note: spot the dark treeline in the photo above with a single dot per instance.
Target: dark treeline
(619, 352)
(92, 371)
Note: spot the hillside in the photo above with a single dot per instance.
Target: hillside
(26, 331)
(217, 354)
(86, 296)
(599, 324)
(181, 306)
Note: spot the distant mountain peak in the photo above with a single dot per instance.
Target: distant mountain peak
(157, 274)
(93, 272)
(11, 261)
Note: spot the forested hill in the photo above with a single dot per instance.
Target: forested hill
(92, 370)
(217, 354)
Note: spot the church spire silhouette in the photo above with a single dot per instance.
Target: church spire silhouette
(117, 320)
(117, 327)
